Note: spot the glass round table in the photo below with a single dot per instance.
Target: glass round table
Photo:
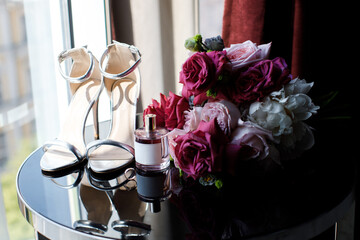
(300, 201)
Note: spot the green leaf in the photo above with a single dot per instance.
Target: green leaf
(181, 172)
(211, 93)
(218, 183)
(198, 38)
(195, 44)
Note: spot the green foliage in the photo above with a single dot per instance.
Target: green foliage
(18, 227)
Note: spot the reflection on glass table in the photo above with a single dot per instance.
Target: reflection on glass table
(72, 207)
(161, 205)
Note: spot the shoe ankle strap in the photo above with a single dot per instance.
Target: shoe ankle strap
(69, 54)
(134, 50)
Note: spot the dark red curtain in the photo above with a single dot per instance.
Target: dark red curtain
(316, 38)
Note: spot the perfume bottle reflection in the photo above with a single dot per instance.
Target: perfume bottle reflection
(153, 187)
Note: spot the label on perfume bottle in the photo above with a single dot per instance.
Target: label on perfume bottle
(148, 154)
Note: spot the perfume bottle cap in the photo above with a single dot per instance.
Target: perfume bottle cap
(150, 122)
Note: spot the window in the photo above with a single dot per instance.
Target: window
(30, 36)
(17, 124)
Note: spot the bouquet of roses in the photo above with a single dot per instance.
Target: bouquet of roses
(236, 105)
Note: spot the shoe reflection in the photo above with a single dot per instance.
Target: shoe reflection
(99, 210)
(116, 193)
(121, 205)
(131, 212)
(124, 180)
(68, 179)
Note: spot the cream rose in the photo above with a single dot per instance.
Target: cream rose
(225, 112)
(192, 119)
(242, 54)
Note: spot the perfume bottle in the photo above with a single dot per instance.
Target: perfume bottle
(151, 146)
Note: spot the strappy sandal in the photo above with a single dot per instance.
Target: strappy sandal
(69, 149)
(122, 82)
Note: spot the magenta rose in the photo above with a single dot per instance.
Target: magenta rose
(259, 80)
(200, 72)
(200, 152)
(220, 60)
(174, 111)
(158, 109)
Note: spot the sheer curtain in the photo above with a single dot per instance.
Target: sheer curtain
(158, 28)
(50, 19)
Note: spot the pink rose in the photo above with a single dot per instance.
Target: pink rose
(200, 152)
(172, 144)
(192, 119)
(243, 54)
(225, 113)
(248, 141)
(158, 109)
(174, 111)
(259, 80)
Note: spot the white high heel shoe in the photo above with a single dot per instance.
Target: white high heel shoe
(69, 149)
(122, 82)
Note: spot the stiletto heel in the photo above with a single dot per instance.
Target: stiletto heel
(86, 84)
(122, 81)
(96, 120)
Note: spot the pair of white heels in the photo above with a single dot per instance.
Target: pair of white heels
(117, 71)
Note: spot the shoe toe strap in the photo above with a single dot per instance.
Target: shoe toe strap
(97, 143)
(59, 143)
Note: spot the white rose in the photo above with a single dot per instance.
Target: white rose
(300, 140)
(297, 85)
(301, 106)
(293, 96)
(283, 111)
(272, 116)
(301, 137)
